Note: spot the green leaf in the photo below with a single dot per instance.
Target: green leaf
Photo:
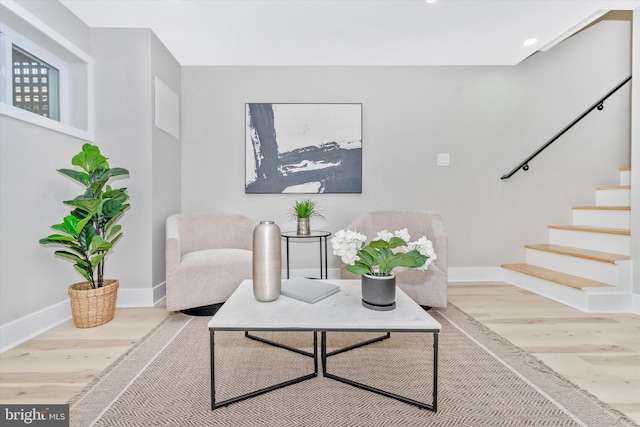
(398, 260)
(112, 221)
(86, 274)
(73, 257)
(119, 171)
(91, 206)
(115, 239)
(98, 244)
(89, 159)
(113, 231)
(68, 225)
(359, 268)
(96, 259)
(57, 238)
(86, 236)
(378, 244)
(81, 177)
(111, 208)
(396, 242)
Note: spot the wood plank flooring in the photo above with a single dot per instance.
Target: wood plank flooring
(56, 365)
(600, 353)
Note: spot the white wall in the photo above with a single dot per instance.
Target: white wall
(33, 285)
(166, 163)
(31, 195)
(126, 62)
(487, 118)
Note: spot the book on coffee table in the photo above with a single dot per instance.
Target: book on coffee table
(307, 290)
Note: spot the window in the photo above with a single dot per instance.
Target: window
(35, 85)
(45, 79)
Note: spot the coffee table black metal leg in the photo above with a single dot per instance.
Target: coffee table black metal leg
(433, 406)
(277, 344)
(216, 405)
(435, 372)
(362, 344)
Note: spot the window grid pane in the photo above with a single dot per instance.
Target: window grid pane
(33, 76)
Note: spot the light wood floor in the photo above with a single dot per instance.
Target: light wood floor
(600, 353)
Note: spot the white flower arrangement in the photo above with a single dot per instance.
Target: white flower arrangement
(386, 252)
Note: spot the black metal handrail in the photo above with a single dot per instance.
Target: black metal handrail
(524, 165)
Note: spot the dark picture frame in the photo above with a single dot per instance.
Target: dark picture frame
(303, 148)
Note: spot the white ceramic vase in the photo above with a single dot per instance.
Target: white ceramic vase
(267, 263)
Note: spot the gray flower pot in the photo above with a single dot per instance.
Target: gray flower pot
(379, 292)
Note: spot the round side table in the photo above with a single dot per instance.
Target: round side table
(322, 237)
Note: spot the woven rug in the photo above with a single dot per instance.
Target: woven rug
(483, 381)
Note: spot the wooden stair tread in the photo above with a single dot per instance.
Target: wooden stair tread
(570, 280)
(619, 231)
(614, 187)
(607, 257)
(603, 208)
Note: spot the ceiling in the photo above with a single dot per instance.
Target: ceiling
(349, 32)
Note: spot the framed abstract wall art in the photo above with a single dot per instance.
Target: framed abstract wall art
(303, 148)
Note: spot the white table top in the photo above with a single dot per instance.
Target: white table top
(341, 311)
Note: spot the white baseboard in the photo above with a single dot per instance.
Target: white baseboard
(34, 324)
(635, 304)
(27, 327)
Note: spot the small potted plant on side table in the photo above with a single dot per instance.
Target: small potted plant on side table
(303, 211)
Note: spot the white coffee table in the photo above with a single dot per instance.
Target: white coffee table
(342, 312)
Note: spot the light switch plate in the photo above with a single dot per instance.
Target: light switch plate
(443, 159)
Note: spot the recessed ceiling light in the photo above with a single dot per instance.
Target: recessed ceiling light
(530, 42)
(431, 1)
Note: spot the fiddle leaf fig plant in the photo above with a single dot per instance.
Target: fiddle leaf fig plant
(89, 232)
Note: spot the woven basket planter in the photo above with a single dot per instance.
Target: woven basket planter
(93, 307)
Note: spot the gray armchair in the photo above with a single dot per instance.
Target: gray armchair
(426, 288)
(207, 257)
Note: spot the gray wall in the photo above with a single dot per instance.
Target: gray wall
(487, 118)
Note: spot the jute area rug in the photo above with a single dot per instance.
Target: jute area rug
(483, 381)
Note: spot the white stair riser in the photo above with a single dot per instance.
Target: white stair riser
(594, 270)
(562, 294)
(602, 218)
(625, 177)
(613, 243)
(613, 197)
(615, 302)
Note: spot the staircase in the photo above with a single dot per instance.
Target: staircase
(585, 265)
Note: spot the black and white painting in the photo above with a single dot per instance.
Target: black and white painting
(303, 148)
